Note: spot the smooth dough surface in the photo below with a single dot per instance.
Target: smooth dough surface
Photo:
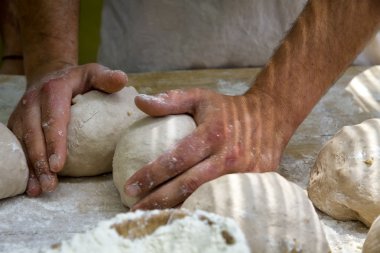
(97, 121)
(143, 142)
(345, 179)
(13, 167)
(275, 215)
(372, 242)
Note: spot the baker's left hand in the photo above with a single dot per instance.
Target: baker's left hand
(234, 134)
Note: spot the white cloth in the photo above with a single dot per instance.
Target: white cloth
(154, 35)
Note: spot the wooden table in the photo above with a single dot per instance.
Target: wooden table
(27, 224)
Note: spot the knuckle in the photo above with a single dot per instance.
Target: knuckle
(199, 90)
(239, 158)
(40, 166)
(217, 134)
(49, 86)
(95, 66)
(27, 137)
(174, 164)
(46, 124)
(29, 97)
(234, 156)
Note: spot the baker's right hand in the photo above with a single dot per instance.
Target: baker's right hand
(41, 117)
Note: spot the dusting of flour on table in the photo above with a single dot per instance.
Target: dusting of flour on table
(232, 88)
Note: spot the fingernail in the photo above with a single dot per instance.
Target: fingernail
(33, 188)
(47, 183)
(54, 162)
(133, 190)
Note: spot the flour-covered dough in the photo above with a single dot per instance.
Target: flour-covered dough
(143, 142)
(345, 179)
(96, 123)
(159, 231)
(13, 167)
(275, 215)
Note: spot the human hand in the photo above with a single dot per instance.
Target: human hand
(41, 117)
(233, 134)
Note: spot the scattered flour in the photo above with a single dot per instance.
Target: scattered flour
(232, 88)
(159, 231)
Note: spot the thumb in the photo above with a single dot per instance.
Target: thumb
(104, 79)
(170, 102)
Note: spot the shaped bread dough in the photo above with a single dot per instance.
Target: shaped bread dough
(13, 167)
(143, 142)
(345, 179)
(275, 215)
(159, 231)
(97, 121)
(372, 242)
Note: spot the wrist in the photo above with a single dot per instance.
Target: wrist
(279, 122)
(40, 71)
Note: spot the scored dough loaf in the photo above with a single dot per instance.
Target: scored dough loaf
(97, 121)
(13, 166)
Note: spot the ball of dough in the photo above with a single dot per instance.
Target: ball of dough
(97, 121)
(145, 141)
(345, 179)
(372, 242)
(13, 167)
(275, 215)
(159, 231)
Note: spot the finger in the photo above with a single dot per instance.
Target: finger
(170, 164)
(34, 142)
(176, 191)
(170, 102)
(104, 79)
(33, 188)
(55, 114)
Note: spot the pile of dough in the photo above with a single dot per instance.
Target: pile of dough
(275, 215)
(143, 142)
(97, 121)
(372, 242)
(159, 231)
(13, 167)
(345, 179)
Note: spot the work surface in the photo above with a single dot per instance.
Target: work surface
(28, 224)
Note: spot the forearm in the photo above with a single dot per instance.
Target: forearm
(322, 43)
(49, 33)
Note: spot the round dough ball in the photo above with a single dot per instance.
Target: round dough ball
(275, 215)
(13, 167)
(372, 242)
(97, 121)
(143, 142)
(344, 182)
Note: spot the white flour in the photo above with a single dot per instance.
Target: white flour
(190, 234)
